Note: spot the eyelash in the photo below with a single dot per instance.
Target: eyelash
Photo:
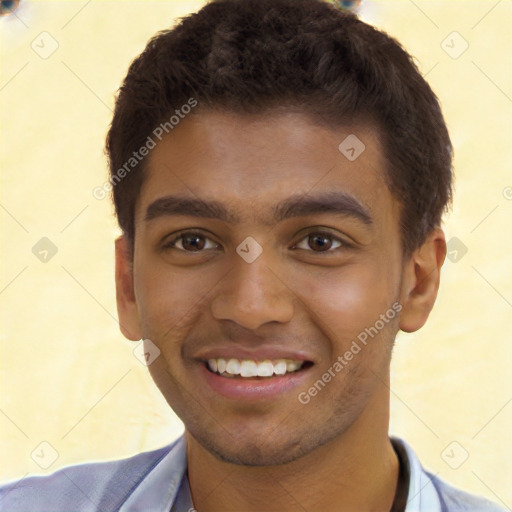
(344, 245)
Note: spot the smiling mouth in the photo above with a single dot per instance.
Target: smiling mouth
(249, 368)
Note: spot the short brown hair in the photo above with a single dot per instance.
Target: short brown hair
(256, 56)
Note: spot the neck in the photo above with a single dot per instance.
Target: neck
(358, 470)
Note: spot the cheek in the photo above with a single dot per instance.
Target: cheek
(167, 299)
(350, 299)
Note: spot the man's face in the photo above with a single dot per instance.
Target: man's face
(322, 278)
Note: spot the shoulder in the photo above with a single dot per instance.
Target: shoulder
(429, 492)
(454, 499)
(94, 486)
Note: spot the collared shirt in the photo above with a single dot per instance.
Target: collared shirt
(157, 481)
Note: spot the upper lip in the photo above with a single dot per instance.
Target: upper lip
(256, 354)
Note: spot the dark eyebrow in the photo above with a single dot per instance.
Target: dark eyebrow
(338, 203)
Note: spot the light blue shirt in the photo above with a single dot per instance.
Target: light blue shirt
(157, 481)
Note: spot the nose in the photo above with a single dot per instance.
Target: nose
(253, 294)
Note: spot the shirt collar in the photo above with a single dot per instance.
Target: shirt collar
(166, 487)
(422, 495)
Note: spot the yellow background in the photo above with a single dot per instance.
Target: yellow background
(69, 378)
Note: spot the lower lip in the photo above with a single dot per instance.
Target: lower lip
(253, 388)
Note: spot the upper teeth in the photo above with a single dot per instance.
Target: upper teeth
(251, 368)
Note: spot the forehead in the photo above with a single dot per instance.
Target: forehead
(251, 164)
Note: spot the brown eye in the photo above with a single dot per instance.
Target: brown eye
(321, 242)
(190, 242)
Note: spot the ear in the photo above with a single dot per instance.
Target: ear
(129, 321)
(420, 281)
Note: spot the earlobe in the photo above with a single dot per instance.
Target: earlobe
(420, 281)
(129, 321)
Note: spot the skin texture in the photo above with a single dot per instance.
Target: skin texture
(332, 453)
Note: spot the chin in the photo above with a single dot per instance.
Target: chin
(252, 455)
(280, 447)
